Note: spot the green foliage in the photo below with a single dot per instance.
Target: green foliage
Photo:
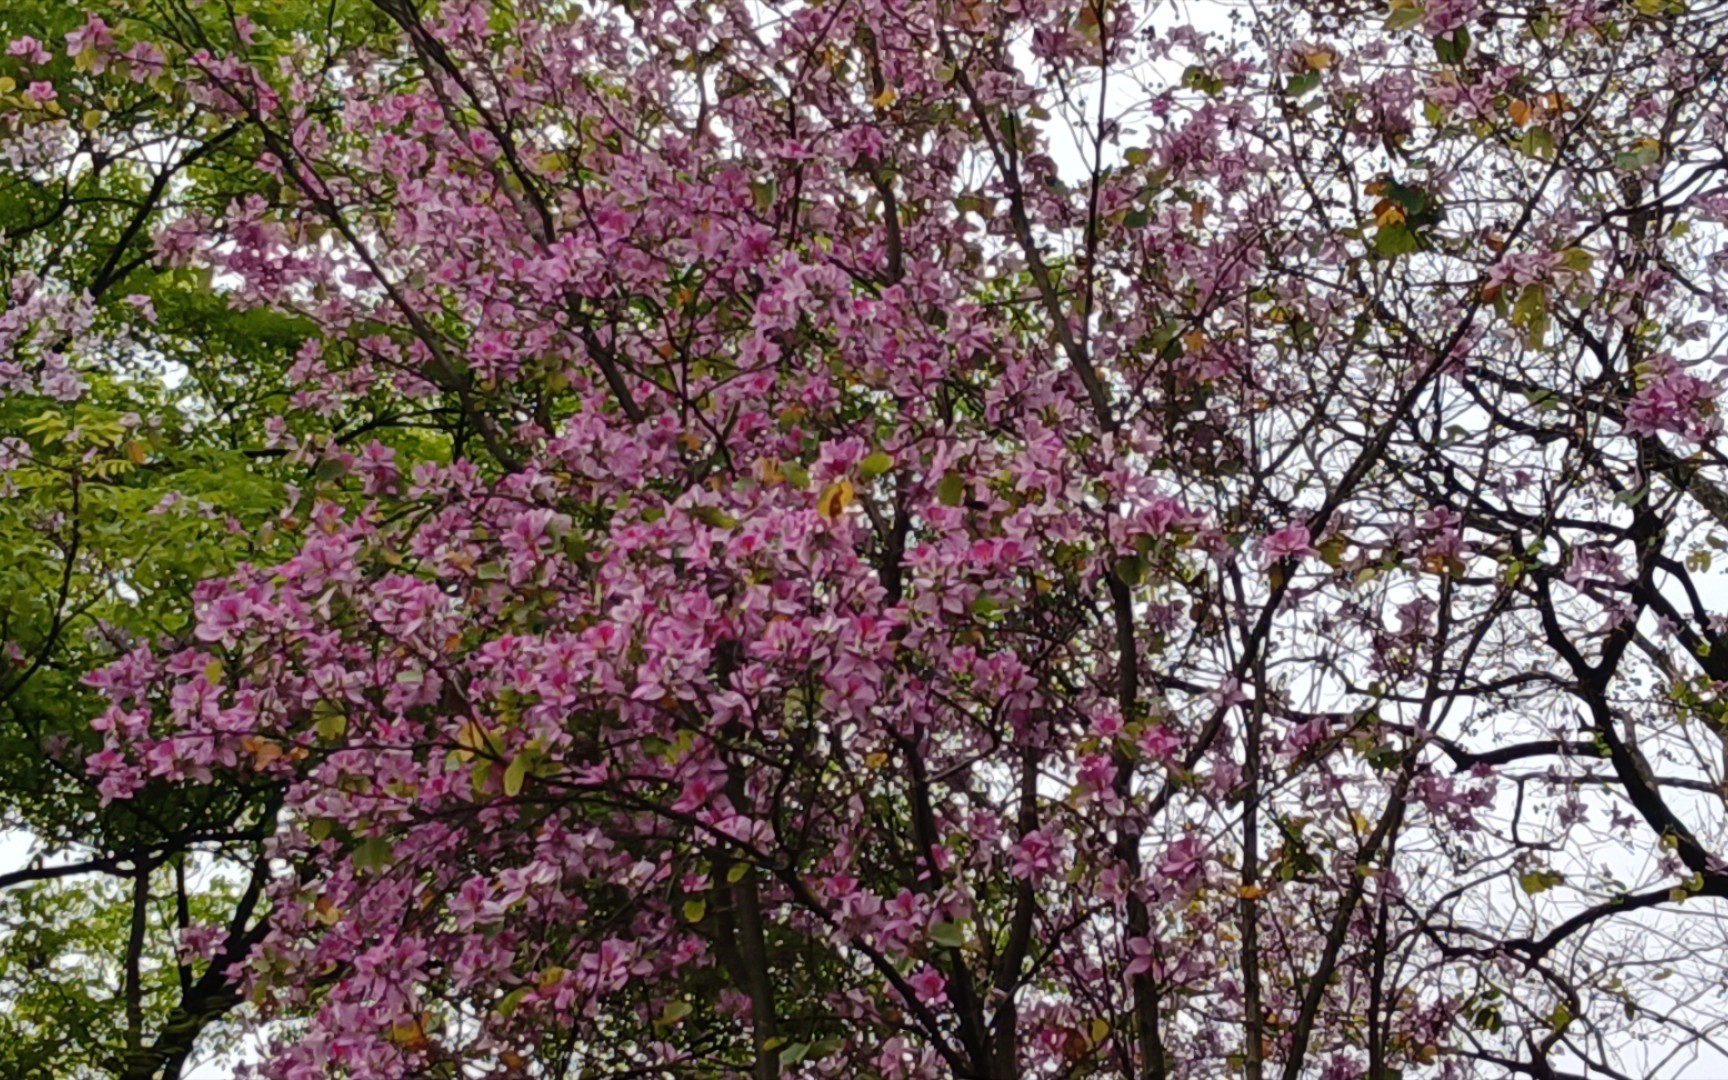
(158, 476)
(61, 970)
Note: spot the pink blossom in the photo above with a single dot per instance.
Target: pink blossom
(1669, 399)
(95, 34)
(1290, 542)
(1183, 861)
(929, 986)
(1159, 742)
(201, 942)
(1143, 957)
(1035, 856)
(30, 49)
(222, 619)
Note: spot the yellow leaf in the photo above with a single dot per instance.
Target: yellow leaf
(7, 84)
(1194, 341)
(1318, 60)
(473, 738)
(1250, 892)
(1520, 111)
(885, 98)
(1387, 212)
(834, 499)
(411, 1034)
(875, 760)
(135, 451)
(213, 673)
(768, 471)
(263, 751)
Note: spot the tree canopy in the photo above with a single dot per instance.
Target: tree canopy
(864, 538)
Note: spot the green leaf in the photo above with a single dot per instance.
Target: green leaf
(515, 775)
(1645, 154)
(674, 1012)
(1538, 143)
(1454, 47)
(694, 909)
(951, 489)
(875, 465)
(1539, 881)
(1391, 241)
(330, 723)
(1199, 78)
(715, 517)
(1403, 18)
(764, 192)
(1530, 314)
(821, 1048)
(373, 856)
(949, 935)
(1561, 1018)
(974, 204)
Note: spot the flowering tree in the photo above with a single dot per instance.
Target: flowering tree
(966, 540)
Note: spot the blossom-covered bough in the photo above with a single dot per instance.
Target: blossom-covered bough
(979, 540)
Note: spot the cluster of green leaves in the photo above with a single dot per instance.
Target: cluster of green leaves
(158, 476)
